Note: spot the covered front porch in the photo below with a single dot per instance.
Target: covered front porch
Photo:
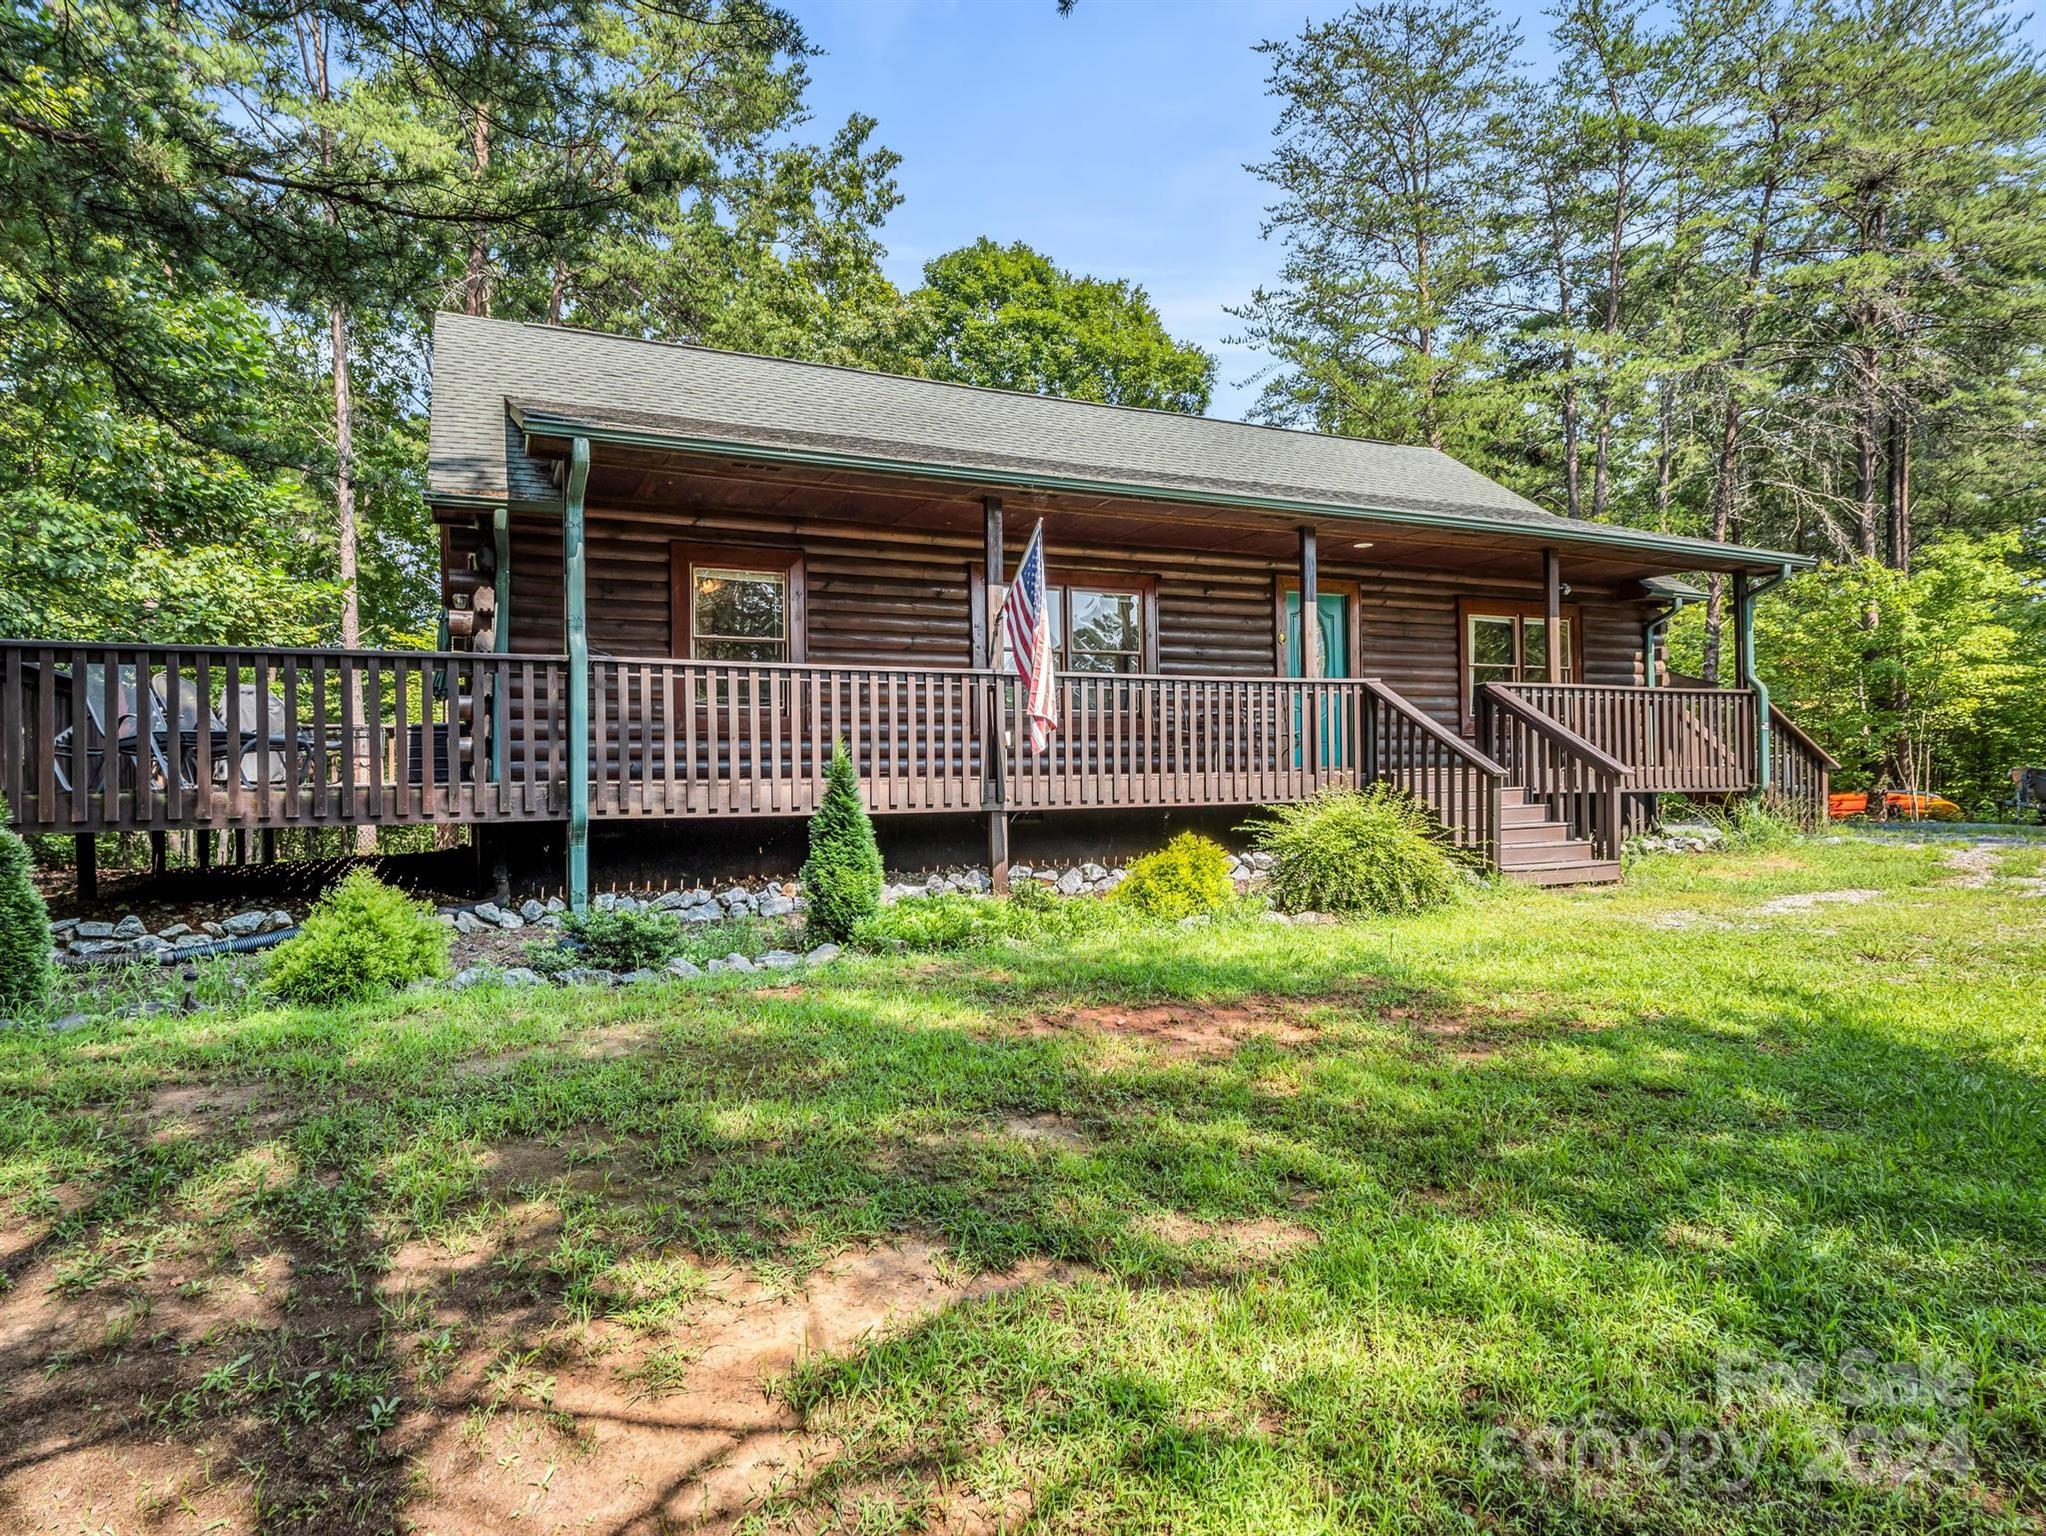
(98, 738)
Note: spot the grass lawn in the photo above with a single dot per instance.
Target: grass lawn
(1716, 1202)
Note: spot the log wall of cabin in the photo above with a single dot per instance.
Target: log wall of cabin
(912, 602)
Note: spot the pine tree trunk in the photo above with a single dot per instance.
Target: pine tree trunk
(478, 278)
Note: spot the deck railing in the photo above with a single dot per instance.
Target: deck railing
(1415, 752)
(114, 738)
(1579, 780)
(107, 738)
(1675, 740)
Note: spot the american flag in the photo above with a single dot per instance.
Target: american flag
(1027, 621)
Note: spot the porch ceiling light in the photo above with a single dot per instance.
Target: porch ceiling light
(1361, 544)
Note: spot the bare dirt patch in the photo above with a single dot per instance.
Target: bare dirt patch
(1804, 901)
(1054, 1131)
(612, 1431)
(1186, 1029)
(1258, 1240)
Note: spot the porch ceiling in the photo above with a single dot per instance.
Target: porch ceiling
(706, 490)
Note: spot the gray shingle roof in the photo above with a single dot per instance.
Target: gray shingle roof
(487, 371)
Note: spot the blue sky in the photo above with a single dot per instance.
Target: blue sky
(1113, 139)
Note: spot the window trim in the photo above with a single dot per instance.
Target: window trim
(684, 560)
(1468, 608)
(1142, 585)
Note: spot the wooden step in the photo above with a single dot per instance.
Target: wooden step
(1532, 833)
(1573, 850)
(1576, 872)
(1516, 810)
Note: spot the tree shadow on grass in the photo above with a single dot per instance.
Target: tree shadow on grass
(761, 1134)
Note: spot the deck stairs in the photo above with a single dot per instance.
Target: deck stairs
(1537, 849)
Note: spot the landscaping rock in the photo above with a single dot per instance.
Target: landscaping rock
(1093, 874)
(1275, 916)
(473, 976)
(522, 976)
(62, 926)
(1312, 919)
(738, 962)
(68, 1023)
(1071, 883)
(681, 967)
(605, 901)
(713, 967)
(822, 953)
(510, 922)
(174, 931)
(91, 931)
(633, 978)
(469, 922)
(130, 927)
(244, 924)
(781, 960)
(556, 905)
(669, 901)
(978, 880)
(705, 914)
(775, 906)
(587, 976)
(531, 910)
(213, 930)
(277, 921)
(488, 911)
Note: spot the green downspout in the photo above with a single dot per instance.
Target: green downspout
(1744, 595)
(1651, 634)
(500, 524)
(573, 561)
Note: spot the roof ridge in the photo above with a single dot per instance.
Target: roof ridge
(914, 378)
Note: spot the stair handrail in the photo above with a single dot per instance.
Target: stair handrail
(1479, 816)
(1580, 778)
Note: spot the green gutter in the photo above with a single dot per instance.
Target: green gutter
(1561, 531)
(1744, 595)
(573, 563)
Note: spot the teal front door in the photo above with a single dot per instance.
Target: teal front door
(1333, 612)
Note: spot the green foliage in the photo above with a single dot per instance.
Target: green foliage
(842, 876)
(360, 940)
(1751, 823)
(624, 941)
(1368, 852)
(1929, 680)
(1006, 316)
(1189, 875)
(939, 923)
(26, 969)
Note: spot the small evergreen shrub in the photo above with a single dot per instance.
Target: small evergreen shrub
(26, 969)
(1367, 852)
(842, 876)
(1188, 876)
(361, 939)
(623, 941)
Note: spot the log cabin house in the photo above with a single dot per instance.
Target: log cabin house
(674, 577)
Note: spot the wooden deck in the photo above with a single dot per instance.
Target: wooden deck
(124, 738)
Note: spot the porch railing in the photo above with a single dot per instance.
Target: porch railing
(1675, 740)
(1579, 780)
(1415, 752)
(114, 738)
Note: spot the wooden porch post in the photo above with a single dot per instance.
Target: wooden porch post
(989, 658)
(1310, 605)
(1552, 613)
(500, 641)
(573, 564)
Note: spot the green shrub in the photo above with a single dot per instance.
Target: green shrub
(26, 969)
(842, 876)
(1355, 852)
(1753, 823)
(362, 938)
(623, 941)
(1188, 876)
(938, 922)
